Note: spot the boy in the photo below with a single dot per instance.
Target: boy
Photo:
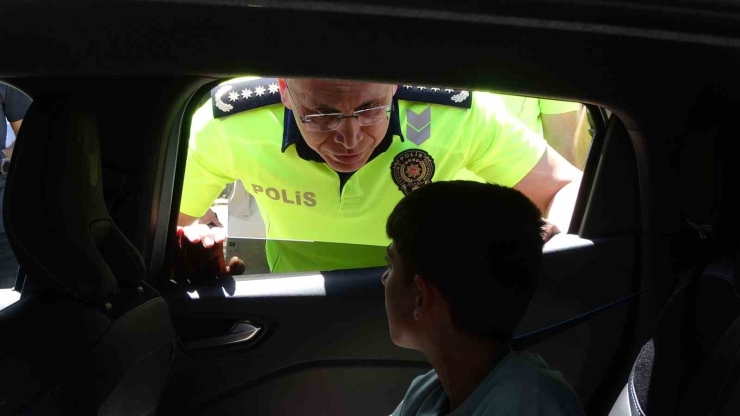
(463, 264)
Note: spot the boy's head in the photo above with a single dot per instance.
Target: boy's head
(465, 254)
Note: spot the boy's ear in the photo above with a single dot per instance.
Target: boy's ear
(429, 299)
(424, 297)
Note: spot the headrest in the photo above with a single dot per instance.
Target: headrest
(54, 210)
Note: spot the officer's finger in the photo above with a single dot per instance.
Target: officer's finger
(549, 230)
(206, 235)
(192, 233)
(211, 236)
(197, 232)
(218, 234)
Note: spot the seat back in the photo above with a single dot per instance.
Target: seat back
(691, 327)
(685, 367)
(90, 337)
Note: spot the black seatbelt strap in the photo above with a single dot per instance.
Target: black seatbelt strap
(533, 338)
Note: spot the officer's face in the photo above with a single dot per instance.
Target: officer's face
(349, 147)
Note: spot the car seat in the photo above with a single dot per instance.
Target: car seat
(88, 335)
(691, 366)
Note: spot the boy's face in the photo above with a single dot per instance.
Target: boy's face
(400, 300)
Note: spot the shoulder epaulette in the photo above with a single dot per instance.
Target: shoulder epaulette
(435, 95)
(244, 95)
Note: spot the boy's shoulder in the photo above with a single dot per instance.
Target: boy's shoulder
(521, 384)
(422, 390)
(524, 384)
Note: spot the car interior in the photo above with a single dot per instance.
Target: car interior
(636, 307)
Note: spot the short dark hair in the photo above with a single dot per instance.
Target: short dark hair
(479, 244)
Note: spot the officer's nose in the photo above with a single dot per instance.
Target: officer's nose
(349, 134)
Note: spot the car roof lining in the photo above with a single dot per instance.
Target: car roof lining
(504, 53)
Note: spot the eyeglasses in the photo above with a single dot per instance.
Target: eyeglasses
(332, 121)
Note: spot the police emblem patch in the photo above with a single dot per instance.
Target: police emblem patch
(411, 169)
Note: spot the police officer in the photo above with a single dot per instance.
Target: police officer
(328, 160)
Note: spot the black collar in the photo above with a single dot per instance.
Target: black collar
(291, 135)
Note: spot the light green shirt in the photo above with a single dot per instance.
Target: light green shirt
(529, 110)
(301, 199)
(521, 385)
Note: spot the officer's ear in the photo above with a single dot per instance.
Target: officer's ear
(284, 93)
(395, 88)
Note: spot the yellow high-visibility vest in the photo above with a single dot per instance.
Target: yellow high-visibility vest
(299, 199)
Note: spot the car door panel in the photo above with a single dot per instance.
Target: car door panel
(361, 388)
(322, 351)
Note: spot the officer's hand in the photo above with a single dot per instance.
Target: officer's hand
(209, 218)
(199, 253)
(549, 230)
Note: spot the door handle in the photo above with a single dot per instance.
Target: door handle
(241, 332)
